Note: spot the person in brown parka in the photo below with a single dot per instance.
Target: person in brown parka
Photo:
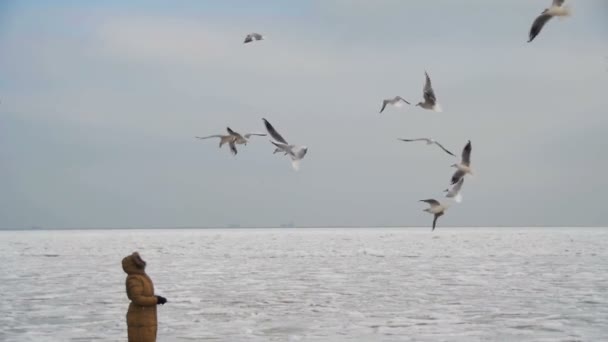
(141, 317)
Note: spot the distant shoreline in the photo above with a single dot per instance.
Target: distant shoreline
(283, 228)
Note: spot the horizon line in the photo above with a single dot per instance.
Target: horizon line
(36, 228)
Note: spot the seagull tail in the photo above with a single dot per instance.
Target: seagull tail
(437, 108)
(295, 164)
(458, 198)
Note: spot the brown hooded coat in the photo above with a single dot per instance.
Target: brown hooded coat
(141, 317)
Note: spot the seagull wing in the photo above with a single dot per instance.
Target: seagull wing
(233, 148)
(384, 103)
(429, 94)
(210, 136)
(459, 174)
(284, 147)
(399, 98)
(257, 36)
(443, 148)
(233, 133)
(466, 154)
(538, 24)
(248, 39)
(431, 202)
(273, 133)
(410, 140)
(248, 135)
(457, 186)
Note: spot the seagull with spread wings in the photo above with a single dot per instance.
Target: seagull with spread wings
(253, 37)
(396, 101)
(296, 153)
(232, 139)
(430, 100)
(243, 139)
(429, 141)
(436, 208)
(464, 167)
(556, 10)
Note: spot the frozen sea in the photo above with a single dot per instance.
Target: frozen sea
(458, 284)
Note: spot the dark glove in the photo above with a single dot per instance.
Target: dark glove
(160, 300)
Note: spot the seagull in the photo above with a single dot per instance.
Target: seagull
(232, 139)
(429, 141)
(454, 192)
(436, 208)
(253, 37)
(395, 101)
(243, 139)
(296, 152)
(430, 101)
(465, 164)
(223, 140)
(556, 10)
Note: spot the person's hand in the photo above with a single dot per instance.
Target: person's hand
(160, 300)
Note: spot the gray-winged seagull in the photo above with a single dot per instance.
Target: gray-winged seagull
(429, 141)
(556, 10)
(243, 139)
(295, 152)
(464, 167)
(253, 37)
(430, 100)
(232, 139)
(396, 101)
(436, 208)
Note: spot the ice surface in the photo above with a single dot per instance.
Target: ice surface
(312, 284)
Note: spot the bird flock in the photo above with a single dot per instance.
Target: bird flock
(436, 208)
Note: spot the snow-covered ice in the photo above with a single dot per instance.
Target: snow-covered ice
(312, 284)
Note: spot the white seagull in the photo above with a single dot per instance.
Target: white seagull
(396, 101)
(454, 192)
(464, 167)
(429, 141)
(556, 10)
(295, 152)
(436, 208)
(253, 37)
(430, 101)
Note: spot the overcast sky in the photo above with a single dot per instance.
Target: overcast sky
(100, 103)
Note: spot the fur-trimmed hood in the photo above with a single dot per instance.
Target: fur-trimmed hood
(133, 264)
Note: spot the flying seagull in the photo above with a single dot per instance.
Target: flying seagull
(556, 10)
(395, 101)
(436, 208)
(430, 141)
(253, 37)
(430, 101)
(295, 152)
(464, 167)
(243, 139)
(454, 192)
(229, 139)
(232, 139)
